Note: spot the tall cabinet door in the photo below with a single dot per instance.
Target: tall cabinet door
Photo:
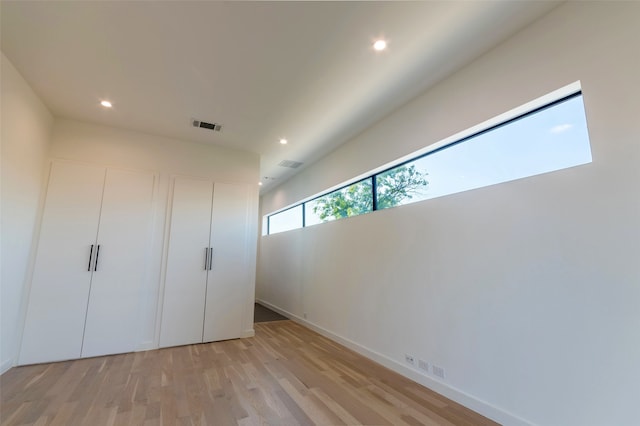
(120, 265)
(227, 283)
(186, 269)
(60, 284)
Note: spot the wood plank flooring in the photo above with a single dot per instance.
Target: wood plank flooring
(285, 375)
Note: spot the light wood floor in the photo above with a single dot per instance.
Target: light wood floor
(285, 375)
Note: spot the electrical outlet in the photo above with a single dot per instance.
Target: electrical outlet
(437, 371)
(423, 365)
(409, 359)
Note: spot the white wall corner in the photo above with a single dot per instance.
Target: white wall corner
(147, 345)
(6, 365)
(248, 333)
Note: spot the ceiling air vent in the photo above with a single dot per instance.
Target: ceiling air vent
(211, 126)
(290, 164)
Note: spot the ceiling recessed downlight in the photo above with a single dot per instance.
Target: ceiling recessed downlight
(106, 104)
(283, 141)
(260, 183)
(380, 45)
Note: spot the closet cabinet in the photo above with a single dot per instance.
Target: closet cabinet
(207, 277)
(90, 263)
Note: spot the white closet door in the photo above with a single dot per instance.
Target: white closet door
(112, 324)
(60, 285)
(227, 283)
(186, 275)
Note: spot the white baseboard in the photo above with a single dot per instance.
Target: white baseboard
(6, 365)
(146, 346)
(248, 333)
(457, 395)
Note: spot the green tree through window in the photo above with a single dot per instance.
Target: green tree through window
(399, 185)
(393, 188)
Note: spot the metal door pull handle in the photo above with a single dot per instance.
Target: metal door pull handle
(95, 268)
(90, 257)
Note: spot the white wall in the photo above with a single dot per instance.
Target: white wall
(80, 141)
(26, 126)
(527, 292)
(72, 140)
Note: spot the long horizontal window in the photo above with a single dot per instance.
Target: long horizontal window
(552, 137)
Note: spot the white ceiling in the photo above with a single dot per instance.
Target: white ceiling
(304, 71)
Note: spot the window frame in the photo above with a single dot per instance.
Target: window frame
(559, 96)
(283, 211)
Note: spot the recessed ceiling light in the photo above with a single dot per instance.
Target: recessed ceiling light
(380, 45)
(106, 104)
(283, 141)
(260, 183)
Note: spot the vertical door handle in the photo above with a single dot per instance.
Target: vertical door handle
(95, 266)
(210, 257)
(90, 257)
(206, 257)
